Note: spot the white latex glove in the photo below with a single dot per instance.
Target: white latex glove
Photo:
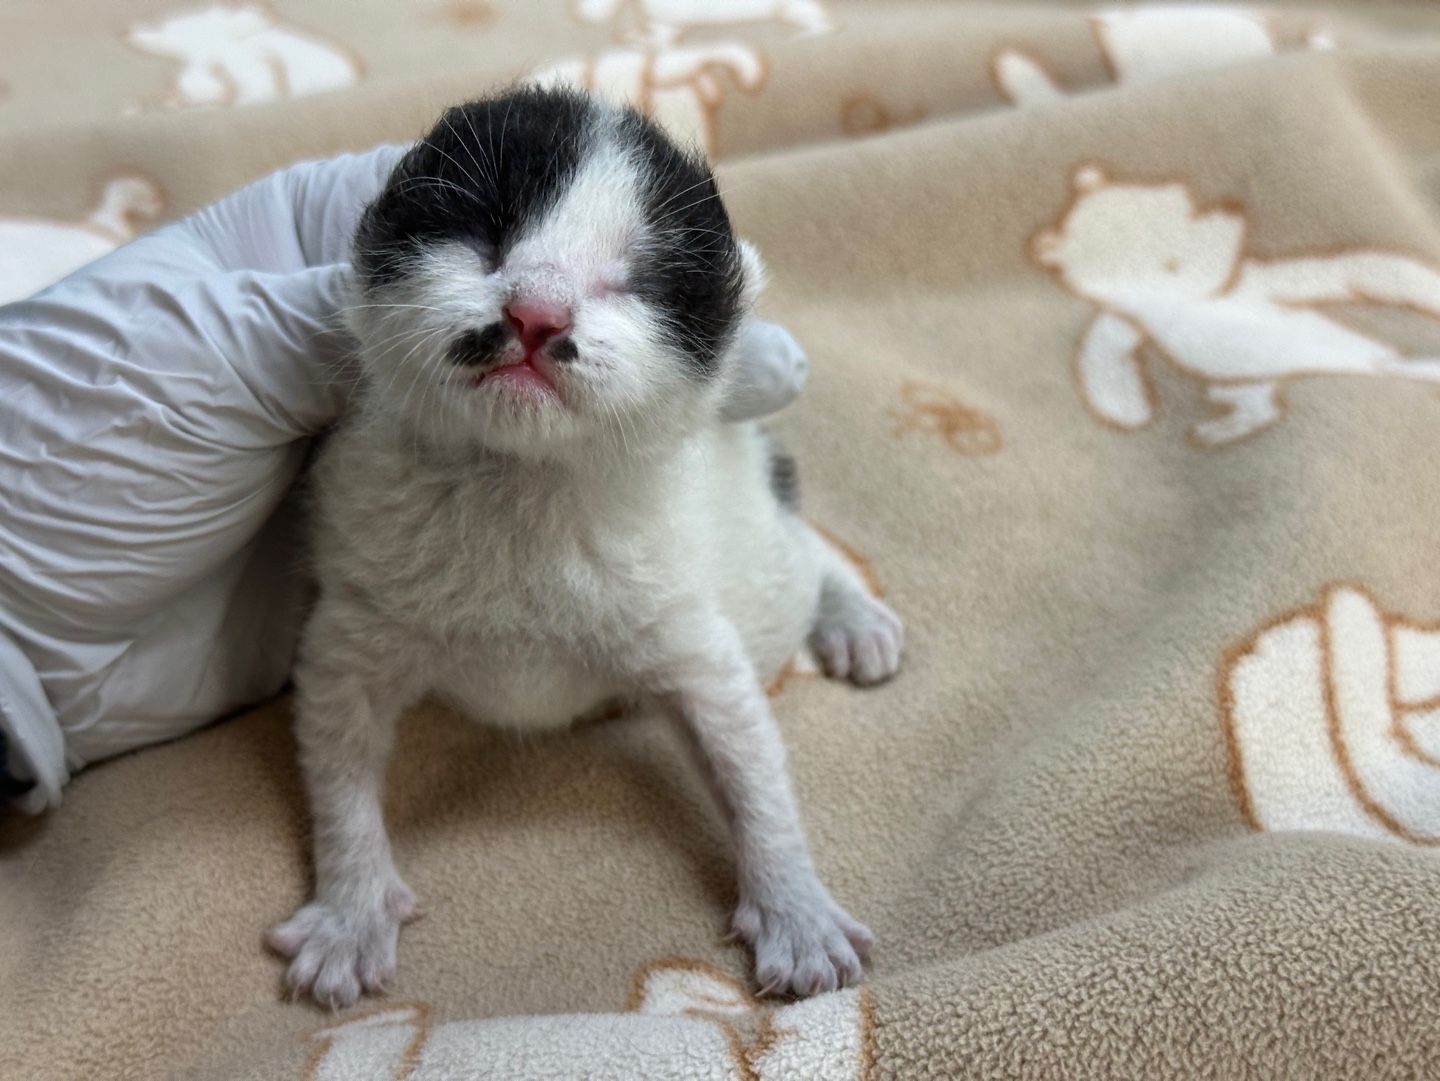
(155, 408)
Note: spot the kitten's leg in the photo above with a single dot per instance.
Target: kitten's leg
(804, 942)
(347, 701)
(855, 637)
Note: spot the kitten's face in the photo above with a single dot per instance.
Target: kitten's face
(543, 272)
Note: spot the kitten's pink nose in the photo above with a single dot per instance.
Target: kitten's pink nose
(537, 321)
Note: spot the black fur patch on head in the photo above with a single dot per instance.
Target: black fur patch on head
(690, 268)
(485, 171)
(479, 347)
(493, 167)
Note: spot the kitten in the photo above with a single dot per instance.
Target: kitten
(536, 510)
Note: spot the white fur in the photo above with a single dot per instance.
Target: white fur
(529, 558)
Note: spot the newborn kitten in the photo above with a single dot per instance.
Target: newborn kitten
(536, 511)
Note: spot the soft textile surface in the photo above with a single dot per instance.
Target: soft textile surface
(1125, 337)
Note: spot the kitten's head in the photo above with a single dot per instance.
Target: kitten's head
(545, 274)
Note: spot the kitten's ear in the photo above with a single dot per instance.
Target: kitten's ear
(752, 269)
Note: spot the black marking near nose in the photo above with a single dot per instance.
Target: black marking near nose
(478, 347)
(563, 351)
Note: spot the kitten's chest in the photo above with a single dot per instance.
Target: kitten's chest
(528, 610)
(478, 558)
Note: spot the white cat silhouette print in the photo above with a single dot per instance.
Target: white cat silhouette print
(1166, 274)
(686, 1021)
(683, 86)
(36, 252)
(1333, 719)
(241, 54)
(1141, 45)
(664, 22)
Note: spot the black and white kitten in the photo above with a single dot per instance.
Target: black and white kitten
(537, 510)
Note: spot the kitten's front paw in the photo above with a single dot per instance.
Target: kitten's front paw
(804, 946)
(337, 953)
(858, 639)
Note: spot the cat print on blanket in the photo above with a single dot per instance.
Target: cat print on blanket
(1332, 716)
(1166, 273)
(682, 85)
(1141, 45)
(964, 429)
(665, 22)
(242, 54)
(685, 1020)
(36, 252)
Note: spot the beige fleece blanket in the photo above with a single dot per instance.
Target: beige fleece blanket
(1125, 335)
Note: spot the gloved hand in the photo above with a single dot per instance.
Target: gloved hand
(155, 408)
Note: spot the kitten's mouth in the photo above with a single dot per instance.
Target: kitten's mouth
(524, 375)
(498, 360)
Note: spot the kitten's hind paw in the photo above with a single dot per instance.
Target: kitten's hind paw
(858, 638)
